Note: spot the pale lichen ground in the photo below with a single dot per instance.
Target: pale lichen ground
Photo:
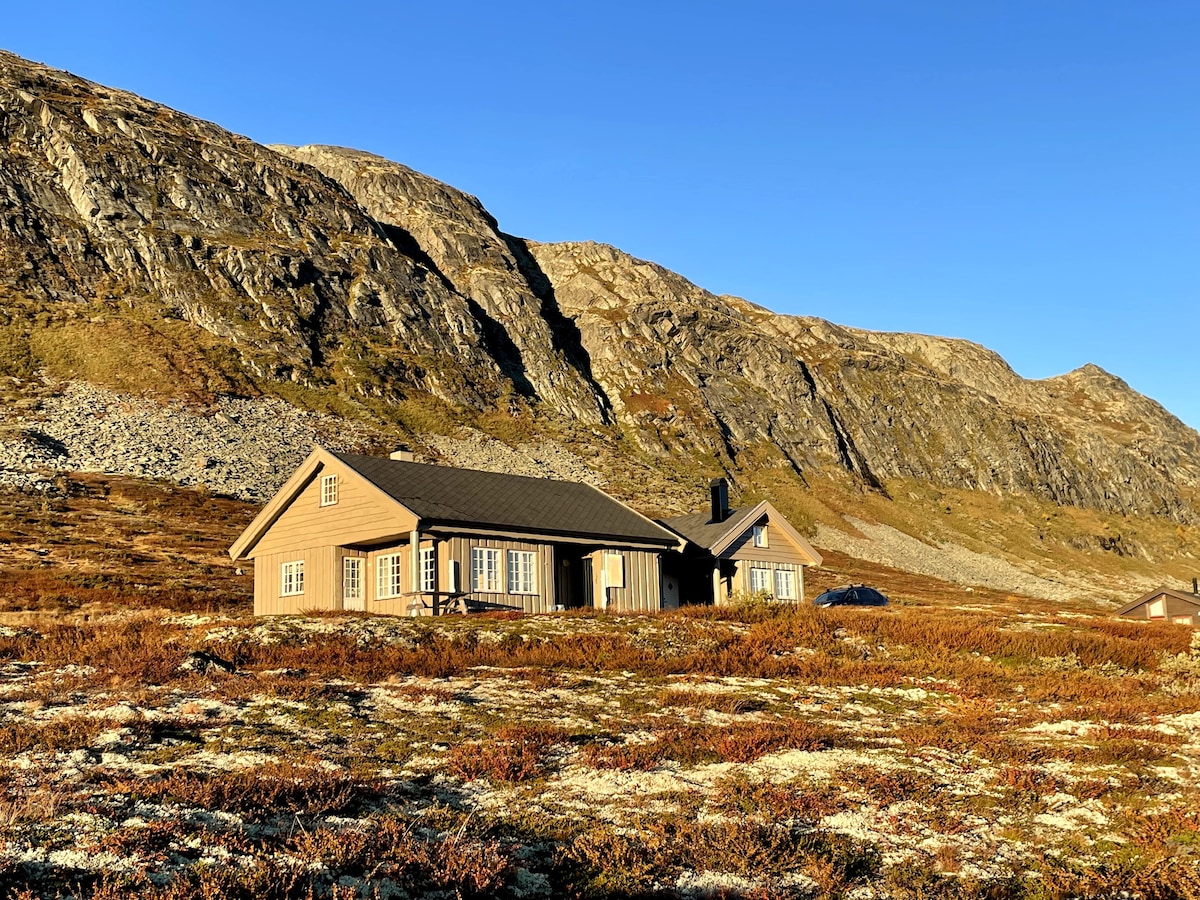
(1039, 784)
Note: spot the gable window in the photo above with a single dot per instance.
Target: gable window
(291, 580)
(352, 578)
(329, 490)
(760, 536)
(785, 584)
(760, 580)
(389, 576)
(485, 570)
(521, 566)
(428, 569)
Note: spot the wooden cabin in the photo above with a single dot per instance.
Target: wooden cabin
(1165, 605)
(393, 536)
(732, 552)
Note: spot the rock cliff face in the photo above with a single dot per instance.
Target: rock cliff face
(685, 366)
(358, 276)
(104, 195)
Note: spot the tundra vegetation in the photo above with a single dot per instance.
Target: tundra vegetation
(954, 745)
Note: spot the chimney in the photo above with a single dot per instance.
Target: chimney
(719, 488)
(1195, 586)
(403, 455)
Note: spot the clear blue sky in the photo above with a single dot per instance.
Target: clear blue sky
(1022, 174)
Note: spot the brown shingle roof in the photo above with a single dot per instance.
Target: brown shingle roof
(450, 496)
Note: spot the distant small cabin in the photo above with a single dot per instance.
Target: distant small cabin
(732, 552)
(1165, 605)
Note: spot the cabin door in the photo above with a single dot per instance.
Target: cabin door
(353, 597)
(574, 578)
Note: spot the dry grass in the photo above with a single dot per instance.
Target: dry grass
(270, 789)
(447, 755)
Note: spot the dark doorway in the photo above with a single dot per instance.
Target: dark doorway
(574, 578)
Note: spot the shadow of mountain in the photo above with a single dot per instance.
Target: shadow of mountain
(564, 332)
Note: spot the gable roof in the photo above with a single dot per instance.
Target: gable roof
(716, 537)
(442, 495)
(1193, 599)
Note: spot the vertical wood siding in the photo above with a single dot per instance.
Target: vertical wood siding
(458, 551)
(643, 583)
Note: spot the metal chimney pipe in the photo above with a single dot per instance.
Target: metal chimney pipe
(719, 489)
(1195, 586)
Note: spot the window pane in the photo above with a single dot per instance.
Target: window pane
(521, 572)
(352, 578)
(428, 569)
(785, 584)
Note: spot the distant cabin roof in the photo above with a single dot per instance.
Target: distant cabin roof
(450, 496)
(701, 530)
(1193, 599)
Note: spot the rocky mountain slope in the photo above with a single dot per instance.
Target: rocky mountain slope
(207, 265)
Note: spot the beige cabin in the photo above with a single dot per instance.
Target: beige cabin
(392, 536)
(1165, 605)
(737, 552)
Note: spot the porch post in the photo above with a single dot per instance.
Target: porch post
(437, 574)
(414, 543)
(716, 583)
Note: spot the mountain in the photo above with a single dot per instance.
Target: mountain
(148, 251)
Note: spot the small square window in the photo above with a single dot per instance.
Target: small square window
(760, 536)
(329, 490)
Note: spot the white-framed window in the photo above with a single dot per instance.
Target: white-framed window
(389, 576)
(785, 584)
(352, 585)
(329, 490)
(485, 570)
(1158, 609)
(428, 569)
(760, 580)
(760, 536)
(291, 579)
(522, 566)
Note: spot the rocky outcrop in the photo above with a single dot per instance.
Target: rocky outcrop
(359, 277)
(721, 375)
(457, 238)
(105, 196)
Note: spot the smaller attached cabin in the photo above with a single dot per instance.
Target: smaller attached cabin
(392, 536)
(738, 552)
(1165, 605)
